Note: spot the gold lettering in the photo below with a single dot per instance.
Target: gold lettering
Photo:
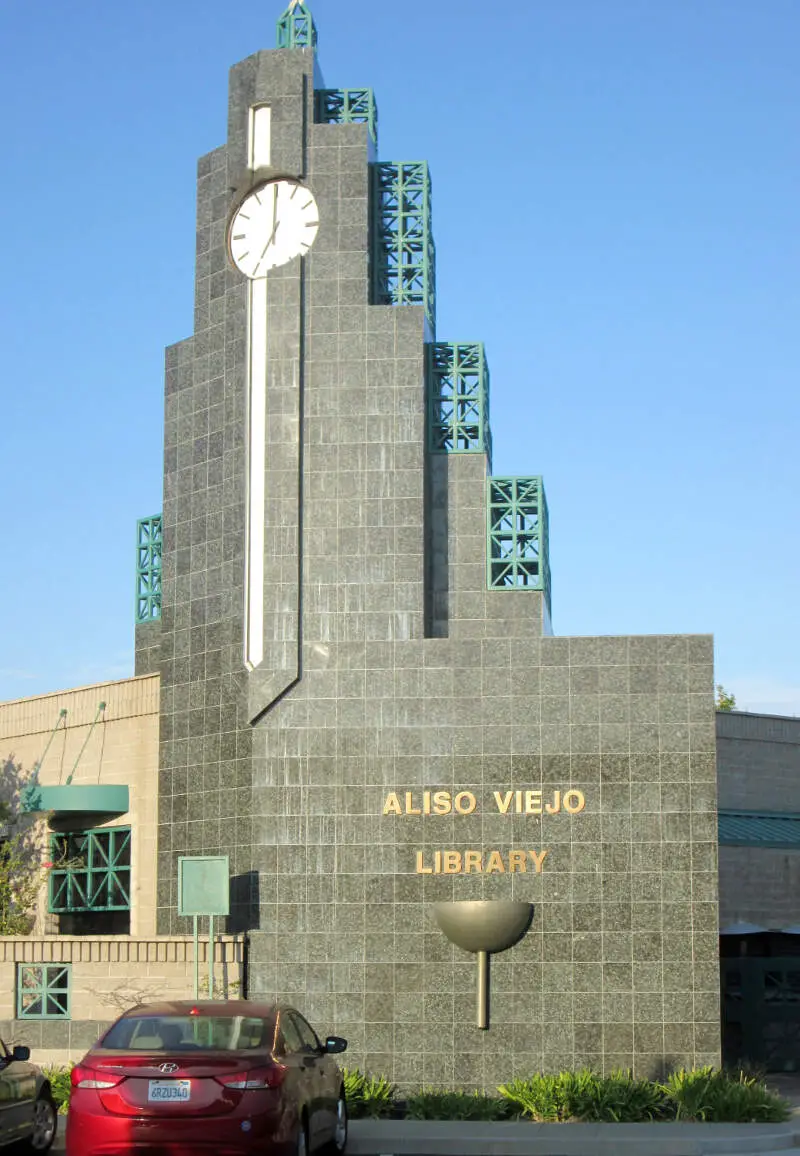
(533, 802)
(451, 862)
(578, 805)
(555, 807)
(421, 868)
(538, 860)
(473, 861)
(469, 804)
(518, 801)
(503, 801)
(410, 810)
(517, 861)
(442, 803)
(495, 864)
(392, 805)
(437, 863)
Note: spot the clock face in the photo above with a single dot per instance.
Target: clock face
(274, 223)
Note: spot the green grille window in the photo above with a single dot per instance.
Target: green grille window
(348, 106)
(148, 569)
(458, 398)
(43, 991)
(402, 250)
(296, 28)
(518, 546)
(92, 871)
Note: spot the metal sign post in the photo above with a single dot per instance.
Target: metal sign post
(203, 889)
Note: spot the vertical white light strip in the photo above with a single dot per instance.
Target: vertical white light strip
(259, 145)
(260, 136)
(257, 462)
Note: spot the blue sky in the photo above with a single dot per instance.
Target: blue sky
(616, 215)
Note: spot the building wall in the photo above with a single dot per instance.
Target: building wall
(122, 749)
(759, 771)
(108, 975)
(759, 761)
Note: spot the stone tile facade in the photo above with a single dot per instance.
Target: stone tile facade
(391, 668)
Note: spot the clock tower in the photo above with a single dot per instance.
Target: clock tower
(362, 702)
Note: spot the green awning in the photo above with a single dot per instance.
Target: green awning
(759, 829)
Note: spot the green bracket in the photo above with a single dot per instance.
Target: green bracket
(296, 27)
(402, 252)
(518, 546)
(458, 399)
(148, 569)
(347, 106)
(30, 798)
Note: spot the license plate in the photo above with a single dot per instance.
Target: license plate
(169, 1091)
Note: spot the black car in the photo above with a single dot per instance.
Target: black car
(28, 1115)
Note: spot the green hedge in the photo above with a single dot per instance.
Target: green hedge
(703, 1094)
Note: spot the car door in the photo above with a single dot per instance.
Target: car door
(327, 1087)
(311, 1057)
(17, 1096)
(301, 1074)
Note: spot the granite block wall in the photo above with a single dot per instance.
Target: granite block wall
(391, 670)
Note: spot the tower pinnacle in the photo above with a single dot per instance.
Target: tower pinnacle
(296, 27)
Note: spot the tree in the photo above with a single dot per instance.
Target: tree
(21, 868)
(725, 701)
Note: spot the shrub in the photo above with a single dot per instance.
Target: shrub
(548, 1097)
(367, 1096)
(722, 1097)
(59, 1085)
(435, 1104)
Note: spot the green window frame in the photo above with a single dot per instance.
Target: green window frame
(43, 991)
(92, 871)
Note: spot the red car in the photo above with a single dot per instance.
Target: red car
(232, 1078)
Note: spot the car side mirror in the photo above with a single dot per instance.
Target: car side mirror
(20, 1052)
(334, 1044)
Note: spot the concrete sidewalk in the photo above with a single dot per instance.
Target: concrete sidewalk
(519, 1138)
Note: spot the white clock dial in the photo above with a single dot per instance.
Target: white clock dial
(274, 223)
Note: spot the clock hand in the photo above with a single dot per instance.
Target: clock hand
(275, 221)
(271, 241)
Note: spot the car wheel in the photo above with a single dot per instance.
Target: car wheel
(339, 1141)
(45, 1123)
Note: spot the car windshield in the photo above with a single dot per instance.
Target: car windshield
(189, 1033)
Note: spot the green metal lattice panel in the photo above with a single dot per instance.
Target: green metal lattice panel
(348, 106)
(148, 569)
(518, 548)
(296, 27)
(458, 398)
(91, 872)
(43, 991)
(402, 252)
